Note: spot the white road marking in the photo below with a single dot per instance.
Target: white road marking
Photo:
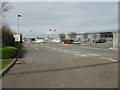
(78, 54)
(95, 54)
(67, 50)
(47, 47)
(25, 45)
(54, 48)
(111, 59)
(94, 48)
(33, 47)
(63, 51)
(36, 48)
(59, 49)
(84, 55)
(105, 49)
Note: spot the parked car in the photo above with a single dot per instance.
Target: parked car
(67, 41)
(101, 41)
(76, 42)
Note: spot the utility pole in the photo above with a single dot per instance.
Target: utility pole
(18, 22)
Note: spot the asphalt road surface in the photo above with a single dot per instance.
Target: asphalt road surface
(56, 65)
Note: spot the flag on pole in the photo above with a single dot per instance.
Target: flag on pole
(55, 30)
(50, 29)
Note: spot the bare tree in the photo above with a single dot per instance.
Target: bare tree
(62, 36)
(72, 35)
(4, 7)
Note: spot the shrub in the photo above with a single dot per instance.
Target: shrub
(9, 52)
(18, 46)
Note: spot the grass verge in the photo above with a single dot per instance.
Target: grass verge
(8, 55)
(4, 63)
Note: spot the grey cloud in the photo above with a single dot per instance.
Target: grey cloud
(65, 17)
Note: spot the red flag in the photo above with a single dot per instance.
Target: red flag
(50, 30)
(54, 30)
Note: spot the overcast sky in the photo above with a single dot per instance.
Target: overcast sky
(65, 17)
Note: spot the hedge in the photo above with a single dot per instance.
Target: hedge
(10, 52)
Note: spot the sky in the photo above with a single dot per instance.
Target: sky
(65, 17)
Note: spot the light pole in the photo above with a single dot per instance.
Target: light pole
(54, 33)
(19, 16)
(30, 35)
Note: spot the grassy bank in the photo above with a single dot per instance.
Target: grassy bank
(4, 63)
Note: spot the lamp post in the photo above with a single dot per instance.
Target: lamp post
(54, 33)
(30, 36)
(19, 16)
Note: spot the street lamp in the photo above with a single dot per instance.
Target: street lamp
(19, 16)
(30, 35)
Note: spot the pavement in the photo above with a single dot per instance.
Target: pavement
(51, 65)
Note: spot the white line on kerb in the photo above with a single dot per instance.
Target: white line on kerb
(110, 59)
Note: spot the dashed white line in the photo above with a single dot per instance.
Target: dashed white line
(25, 45)
(63, 51)
(78, 54)
(54, 48)
(59, 49)
(94, 48)
(36, 48)
(84, 55)
(95, 54)
(47, 47)
(105, 49)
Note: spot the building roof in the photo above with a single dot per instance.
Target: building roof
(101, 31)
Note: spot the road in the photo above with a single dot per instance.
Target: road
(56, 65)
